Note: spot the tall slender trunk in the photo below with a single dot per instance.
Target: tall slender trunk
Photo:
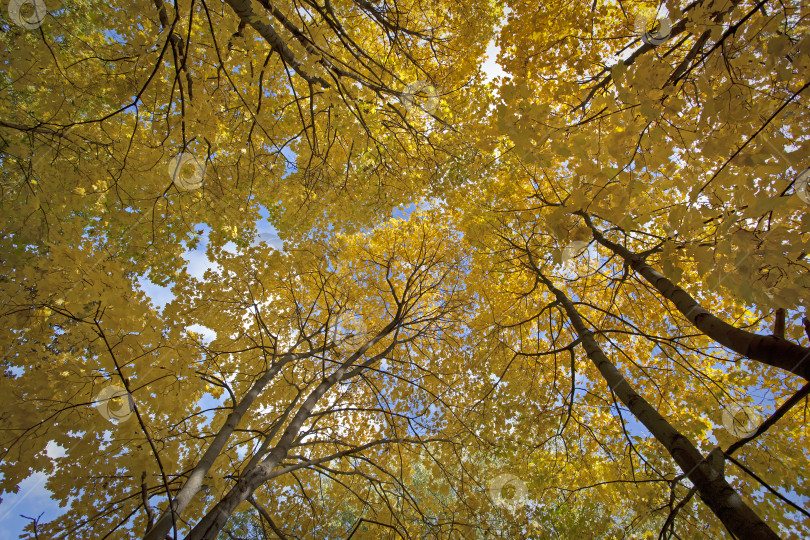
(192, 485)
(209, 526)
(710, 482)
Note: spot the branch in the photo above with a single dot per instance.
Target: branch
(764, 484)
(771, 350)
(266, 516)
(150, 512)
(779, 323)
(244, 10)
(195, 478)
(210, 525)
(361, 520)
(779, 413)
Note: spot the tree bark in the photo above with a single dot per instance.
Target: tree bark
(779, 323)
(192, 485)
(244, 10)
(209, 526)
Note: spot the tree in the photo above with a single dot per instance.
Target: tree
(200, 117)
(559, 304)
(625, 166)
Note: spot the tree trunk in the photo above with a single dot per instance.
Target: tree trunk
(209, 526)
(192, 485)
(711, 484)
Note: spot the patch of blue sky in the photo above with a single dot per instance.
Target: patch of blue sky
(32, 499)
(404, 213)
(114, 36)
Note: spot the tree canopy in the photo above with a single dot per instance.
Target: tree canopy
(567, 302)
